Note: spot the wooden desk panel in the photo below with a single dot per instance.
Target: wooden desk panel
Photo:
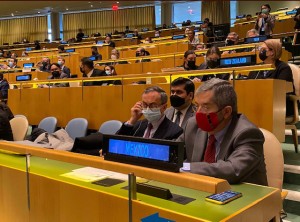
(262, 101)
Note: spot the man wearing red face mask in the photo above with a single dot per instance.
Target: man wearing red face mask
(220, 142)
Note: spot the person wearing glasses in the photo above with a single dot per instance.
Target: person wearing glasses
(156, 124)
(270, 53)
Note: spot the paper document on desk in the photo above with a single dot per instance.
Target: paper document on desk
(90, 174)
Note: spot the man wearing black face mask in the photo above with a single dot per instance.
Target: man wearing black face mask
(182, 95)
(56, 73)
(87, 69)
(220, 142)
(45, 66)
(232, 40)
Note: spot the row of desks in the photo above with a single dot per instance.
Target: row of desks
(101, 103)
(41, 193)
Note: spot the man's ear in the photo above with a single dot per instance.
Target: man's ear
(227, 111)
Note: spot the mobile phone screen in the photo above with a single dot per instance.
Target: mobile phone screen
(224, 197)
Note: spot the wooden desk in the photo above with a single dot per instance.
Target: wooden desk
(57, 198)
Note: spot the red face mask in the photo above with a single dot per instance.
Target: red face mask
(207, 122)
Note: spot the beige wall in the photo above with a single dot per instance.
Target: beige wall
(251, 7)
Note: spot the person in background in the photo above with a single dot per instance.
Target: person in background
(61, 49)
(200, 46)
(56, 73)
(44, 64)
(148, 40)
(25, 54)
(252, 33)
(265, 22)
(232, 40)
(8, 54)
(14, 55)
(115, 54)
(142, 52)
(88, 70)
(4, 86)
(157, 33)
(248, 17)
(37, 45)
(95, 53)
(79, 35)
(156, 124)
(193, 40)
(221, 143)
(61, 62)
(212, 61)
(12, 63)
(136, 34)
(109, 42)
(270, 53)
(181, 99)
(110, 71)
(127, 30)
(189, 62)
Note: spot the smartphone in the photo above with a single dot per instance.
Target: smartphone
(224, 197)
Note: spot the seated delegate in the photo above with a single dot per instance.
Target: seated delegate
(270, 53)
(212, 61)
(220, 142)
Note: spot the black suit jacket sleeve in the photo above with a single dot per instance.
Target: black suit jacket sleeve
(167, 130)
(67, 71)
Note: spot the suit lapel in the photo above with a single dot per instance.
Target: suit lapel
(162, 129)
(199, 146)
(189, 113)
(170, 113)
(225, 144)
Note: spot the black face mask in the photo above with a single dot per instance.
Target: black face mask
(44, 64)
(55, 74)
(229, 42)
(94, 53)
(213, 63)
(137, 54)
(176, 101)
(191, 64)
(263, 55)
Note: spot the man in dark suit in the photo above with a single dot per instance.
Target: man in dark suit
(220, 142)
(5, 116)
(155, 124)
(182, 95)
(87, 69)
(61, 61)
(95, 53)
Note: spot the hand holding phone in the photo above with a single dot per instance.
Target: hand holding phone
(224, 197)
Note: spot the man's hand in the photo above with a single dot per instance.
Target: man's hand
(136, 113)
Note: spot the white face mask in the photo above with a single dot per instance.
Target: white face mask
(152, 115)
(10, 64)
(107, 72)
(114, 57)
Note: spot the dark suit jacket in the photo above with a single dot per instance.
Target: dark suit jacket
(96, 72)
(167, 130)
(282, 71)
(4, 86)
(5, 128)
(189, 113)
(67, 71)
(208, 77)
(241, 157)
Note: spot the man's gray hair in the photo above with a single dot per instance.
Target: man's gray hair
(224, 94)
(163, 94)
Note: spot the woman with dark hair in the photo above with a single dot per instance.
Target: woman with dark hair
(189, 60)
(110, 71)
(212, 61)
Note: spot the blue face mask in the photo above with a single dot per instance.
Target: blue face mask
(10, 64)
(152, 115)
(59, 63)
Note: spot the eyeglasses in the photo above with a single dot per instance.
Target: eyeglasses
(151, 106)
